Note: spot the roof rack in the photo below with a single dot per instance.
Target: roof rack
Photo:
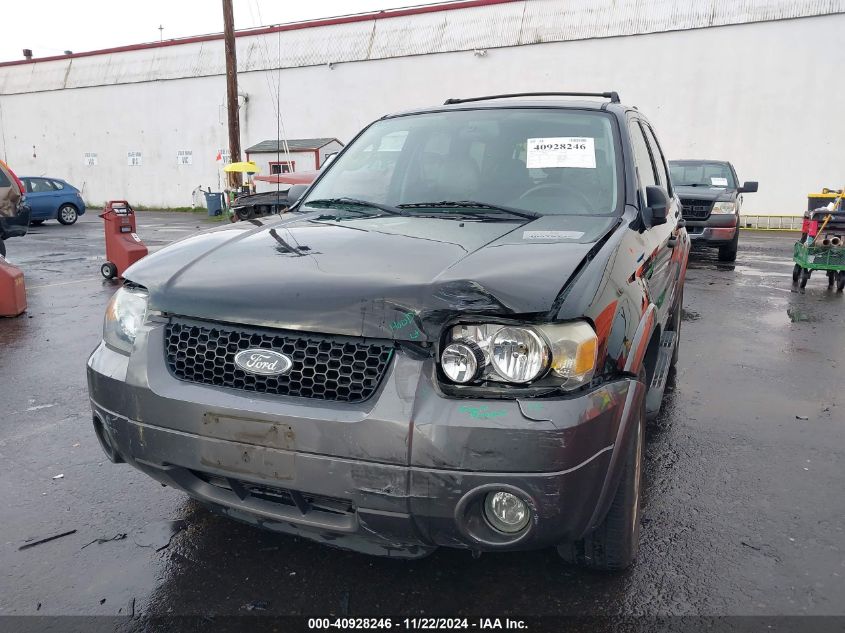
(613, 96)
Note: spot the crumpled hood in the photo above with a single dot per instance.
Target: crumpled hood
(706, 193)
(387, 277)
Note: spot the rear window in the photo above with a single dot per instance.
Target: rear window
(546, 160)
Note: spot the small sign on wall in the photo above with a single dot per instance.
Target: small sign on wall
(133, 159)
(185, 157)
(90, 159)
(223, 156)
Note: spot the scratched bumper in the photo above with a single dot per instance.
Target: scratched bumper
(715, 231)
(397, 475)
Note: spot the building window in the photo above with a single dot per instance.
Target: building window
(283, 167)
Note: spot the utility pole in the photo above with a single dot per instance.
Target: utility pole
(232, 91)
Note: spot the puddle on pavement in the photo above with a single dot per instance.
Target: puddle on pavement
(158, 535)
(689, 315)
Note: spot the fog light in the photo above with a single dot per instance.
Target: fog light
(461, 361)
(506, 512)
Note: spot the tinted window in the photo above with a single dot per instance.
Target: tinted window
(56, 184)
(645, 169)
(551, 161)
(659, 159)
(4, 179)
(701, 174)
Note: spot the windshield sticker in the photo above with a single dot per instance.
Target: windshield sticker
(552, 235)
(562, 151)
(719, 182)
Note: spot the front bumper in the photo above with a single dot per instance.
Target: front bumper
(397, 475)
(716, 230)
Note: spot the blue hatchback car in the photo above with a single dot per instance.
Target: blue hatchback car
(53, 199)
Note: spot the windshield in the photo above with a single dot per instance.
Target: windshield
(543, 161)
(701, 174)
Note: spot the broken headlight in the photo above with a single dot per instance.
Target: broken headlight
(562, 353)
(124, 315)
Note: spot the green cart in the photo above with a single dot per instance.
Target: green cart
(812, 257)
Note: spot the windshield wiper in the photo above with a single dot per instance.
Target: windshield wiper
(354, 202)
(471, 204)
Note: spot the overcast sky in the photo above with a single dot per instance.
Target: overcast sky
(49, 27)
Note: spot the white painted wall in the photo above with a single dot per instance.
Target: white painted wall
(750, 93)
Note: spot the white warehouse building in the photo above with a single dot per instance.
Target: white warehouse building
(757, 82)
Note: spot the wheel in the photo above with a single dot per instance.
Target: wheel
(614, 543)
(67, 214)
(805, 277)
(245, 213)
(727, 253)
(831, 278)
(2, 247)
(36, 222)
(840, 280)
(108, 270)
(796, 274)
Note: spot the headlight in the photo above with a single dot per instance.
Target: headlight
(461, 361)
(124, 315)
(723, 208)
(561, 354)
(519, 355)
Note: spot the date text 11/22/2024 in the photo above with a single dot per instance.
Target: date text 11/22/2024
(411, 624)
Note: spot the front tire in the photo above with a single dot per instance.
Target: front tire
(614, 544)
(727, 253)
(840, 281)
(67, 214)
(796, 274)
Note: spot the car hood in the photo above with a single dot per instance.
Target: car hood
(387, 277)
(706, 193)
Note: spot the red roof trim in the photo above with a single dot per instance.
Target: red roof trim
(295, 26)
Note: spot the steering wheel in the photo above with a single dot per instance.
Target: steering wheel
(569, 191)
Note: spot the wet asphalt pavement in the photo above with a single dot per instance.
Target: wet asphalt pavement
(744, 501)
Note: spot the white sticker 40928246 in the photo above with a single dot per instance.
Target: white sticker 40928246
(561, 151)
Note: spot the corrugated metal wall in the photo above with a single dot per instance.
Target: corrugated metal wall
(493, 26)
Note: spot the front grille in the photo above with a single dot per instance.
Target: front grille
(324, 367)
(696, 209)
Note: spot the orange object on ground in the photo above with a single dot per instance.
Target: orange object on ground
(123, 246)
(12, 290)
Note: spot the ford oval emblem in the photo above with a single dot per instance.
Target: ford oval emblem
(264, 362)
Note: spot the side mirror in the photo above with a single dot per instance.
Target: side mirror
(657, 203)
(295, 193)
(750, 186)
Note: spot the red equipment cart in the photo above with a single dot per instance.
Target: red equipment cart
(123, 246)
(12, 290)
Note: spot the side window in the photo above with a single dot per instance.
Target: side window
(40, 185)
(27, 183)
(57, 185)
(642, 156)
(659, 160)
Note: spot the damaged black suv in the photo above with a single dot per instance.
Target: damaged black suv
(454, 338)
